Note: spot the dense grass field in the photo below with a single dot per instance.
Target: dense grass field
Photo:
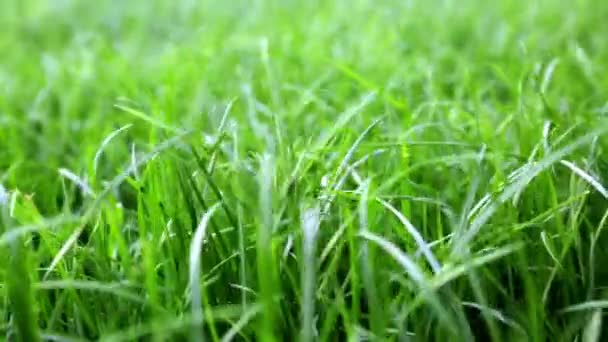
(303, 170)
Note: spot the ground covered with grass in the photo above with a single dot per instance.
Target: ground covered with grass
(311, 170)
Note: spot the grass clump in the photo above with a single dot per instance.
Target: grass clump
(303, 170)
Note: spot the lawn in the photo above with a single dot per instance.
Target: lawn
(273, 170)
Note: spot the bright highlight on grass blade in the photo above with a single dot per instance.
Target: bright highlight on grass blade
(422, 245)
(408, 265)
(593, 329)
(343, 171)
(120, 178)
(247, 316)
(590, 305)
(267, 279)
(3, 196)
(587, 177)
(81, 183)
(449, 274)
(88, 285)
(63, 250)
(310, 222)
(150, 120)
(196, 246)
(495, 314)
(105, 142)
(426, 288)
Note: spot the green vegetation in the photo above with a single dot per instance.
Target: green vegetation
(319, 170)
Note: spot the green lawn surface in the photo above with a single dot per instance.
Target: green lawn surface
(272, 170)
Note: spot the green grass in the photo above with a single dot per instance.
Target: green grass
(313, 170)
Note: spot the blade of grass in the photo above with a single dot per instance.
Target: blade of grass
(422, 245)
(265, 260)
(310, 222)
(150, 120)
(195, 270)
(105, 142)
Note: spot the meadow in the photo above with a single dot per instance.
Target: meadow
(272, 170)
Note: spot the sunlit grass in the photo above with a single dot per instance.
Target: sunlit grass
(312, 170)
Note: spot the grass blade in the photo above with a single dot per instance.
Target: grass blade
(105, 142)
(422, 245)
(310, 222)
(146, 118)
(586, 177)
(265, 254)
(196, 246)
(589, 305)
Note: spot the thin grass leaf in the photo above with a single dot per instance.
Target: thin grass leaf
(222, 244)
(422, 245)
(114, 289)
(310, 222)
(105, 142)
(450, 273)
(408, 265)
(418, 276)
(148, 119)
(549, 247)
(336, 185)
(351, 151)
(325, 137)
(367, 270)
(264, 249)
(586, 306)
(547, 75)
(220, 131)
(120, 178)
(236, 328)
(196, 246)
(214, 187)
(499, 316)
(81, 183)
(586, 177)
(62, 251)
(593, 329)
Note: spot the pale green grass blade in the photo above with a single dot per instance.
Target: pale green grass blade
(105, 142)
(148, 119)
(586, 177)
(586, 306)
(422, 245)
(196, 246)
(265, 256)
(593, 329)
(81, 183)
(310, 222)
